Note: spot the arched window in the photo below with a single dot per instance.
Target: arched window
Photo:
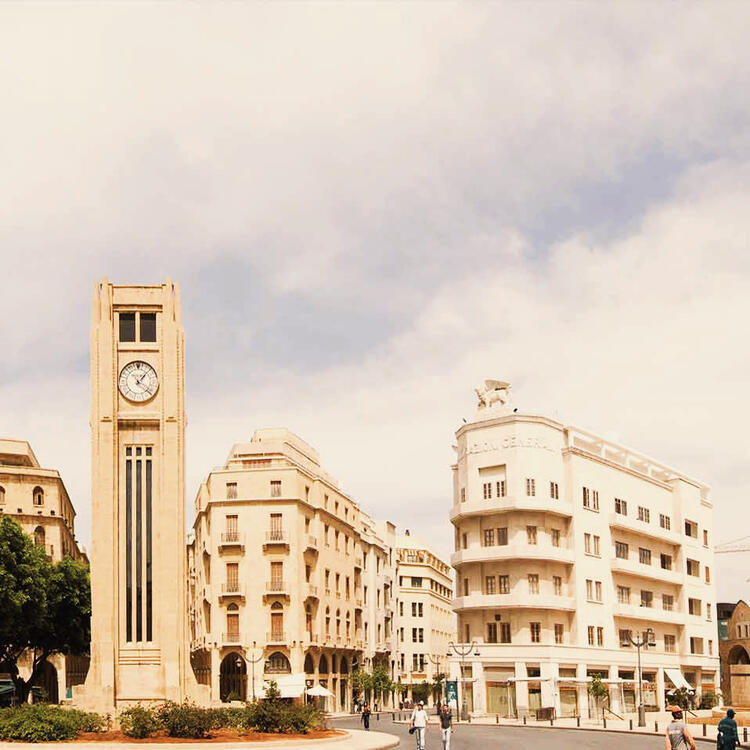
(39, 536)
(333, 663)
(323, 666)
(338, 622)
(348, 624)
(38, 496)
(328, 620)
(277, 663)
(344, 666)
(2, 495)
(309, 666)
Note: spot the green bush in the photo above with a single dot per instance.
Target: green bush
(277, 717)
(139, 722)
(233, 718)
(708, 700)
(43, 723)
(186, 720)
(231, 697)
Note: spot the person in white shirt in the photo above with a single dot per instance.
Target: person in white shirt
(419, 722)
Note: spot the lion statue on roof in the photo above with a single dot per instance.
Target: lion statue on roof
(493, 392)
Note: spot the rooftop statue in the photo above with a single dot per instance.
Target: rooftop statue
(492, 392)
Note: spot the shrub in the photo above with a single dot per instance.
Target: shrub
(708, 700)
(275, 716)
(231, 697)
(44, 723)
(227, 717)
(186, 720)
(139, 722)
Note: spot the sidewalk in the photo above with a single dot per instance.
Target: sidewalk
(352, 740)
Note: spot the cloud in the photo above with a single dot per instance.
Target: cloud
(371, 206)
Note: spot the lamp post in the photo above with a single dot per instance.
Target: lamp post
(645, 640)
(463, 650)
(435, 661)
(254, 661)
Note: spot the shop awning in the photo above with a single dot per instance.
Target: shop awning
(291, 685)
(677, 679)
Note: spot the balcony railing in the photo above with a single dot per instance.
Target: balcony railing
(276, 636)
(231, 537)
(357, 561)
(358, 604)
(312, 590)
(312, 542)
(231, 638)
(276, 585)
(276, 535)
(231, 587)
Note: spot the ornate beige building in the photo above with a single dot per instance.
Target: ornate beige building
(425, 619)
(289, 579)
(567, 544)
(138, 570)
(37, 499)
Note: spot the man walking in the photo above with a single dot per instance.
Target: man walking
(445, 725)
(366, 716)
(727, 738)
(419, 723)
(678, 736)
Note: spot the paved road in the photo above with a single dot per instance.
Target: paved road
(477, 737)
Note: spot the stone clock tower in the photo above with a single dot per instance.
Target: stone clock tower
(139, 649)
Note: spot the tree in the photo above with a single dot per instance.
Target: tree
(46, 607)
(436, 688)
(381, 682)
(420, 692)
(361, 681)
(597, 689)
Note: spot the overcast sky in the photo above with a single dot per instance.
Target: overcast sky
(372, 207)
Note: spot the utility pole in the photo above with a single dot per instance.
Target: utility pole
(254, 661)
(645, 640)
(463, 650)
(435, 661)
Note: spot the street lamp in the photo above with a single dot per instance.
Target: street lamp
(645, 640)
(435, 661)
(254, 661)
(463, 650)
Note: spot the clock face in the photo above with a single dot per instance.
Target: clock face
(138, 381)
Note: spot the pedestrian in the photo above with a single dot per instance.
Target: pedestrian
(446, 720)
(419, 723)
(727, 737)
(366, 716)
(678, 735)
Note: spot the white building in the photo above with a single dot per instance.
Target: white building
(425, 621)
(566, 544)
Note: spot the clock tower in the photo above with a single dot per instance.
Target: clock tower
(139, 649)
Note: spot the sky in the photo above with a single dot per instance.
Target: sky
(371, 207)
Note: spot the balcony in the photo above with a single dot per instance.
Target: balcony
(276, 588)
(509, 505)
(276, 637)
(232, 590)
(312, 637)
(358, 644)
(515, 600)
(357, 604)
(652, 530)
(231, 639)
(652, 614)
(358, 561)
(655, 572)
(312, 544)
(312, 591)
(520, 552)
(276, 538)
(231, 539)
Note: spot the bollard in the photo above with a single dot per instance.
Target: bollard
(551, 722)
(578, 721)
(378, 716)
(656, 728)
(744, 734)
(604, 719)
(704, 730)
(393, 716)
(631, 725)
(524, 721)
(497, 718)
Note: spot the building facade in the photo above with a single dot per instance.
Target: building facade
(36, 498)
(139, 648)
(289, 580)
(425, 619)
(566, 546)
(734, 652)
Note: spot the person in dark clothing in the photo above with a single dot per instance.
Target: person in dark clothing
(366, 716)
(727, 737)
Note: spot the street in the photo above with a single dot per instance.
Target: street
(476, 736)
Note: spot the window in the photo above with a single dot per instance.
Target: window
(489, 584)
(590, 632)
(666, 561)
(696, 645)
(500, 489)
(644, 514)
(691, 529)
(466, 586)
(401, 609)
(554, 491)
(693, 568)
(533, 583)
(557, 585)
(502, 536)
(623, 594)
(416, 582)
(504, 632)
(275, 488)
(559, 631)
(420, 612)
(531, 534)
(465, 540)
(598, 590)
(644, 556)
(535, 629)
(127, 326)
(621, 550)
(624, 637)
(586, 497)
(694, 606)
(2, 495)
(463, 494)
(665, 522)
(489, 537)
(277, 530)
(595, 499)
(647, 598)
(594, 591)
(621, 506)
(705, 542)
(231, 490)
(504, 582)
(596, 545)
(667, 602)
(491, 632)
(670, 643)
(589, 589)
(148, 326)
(587, 543)
(708, 574)
(555, 537)
(487, 489)
(530, 487)
(600, 636)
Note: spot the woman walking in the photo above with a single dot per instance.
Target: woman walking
(366, 716)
